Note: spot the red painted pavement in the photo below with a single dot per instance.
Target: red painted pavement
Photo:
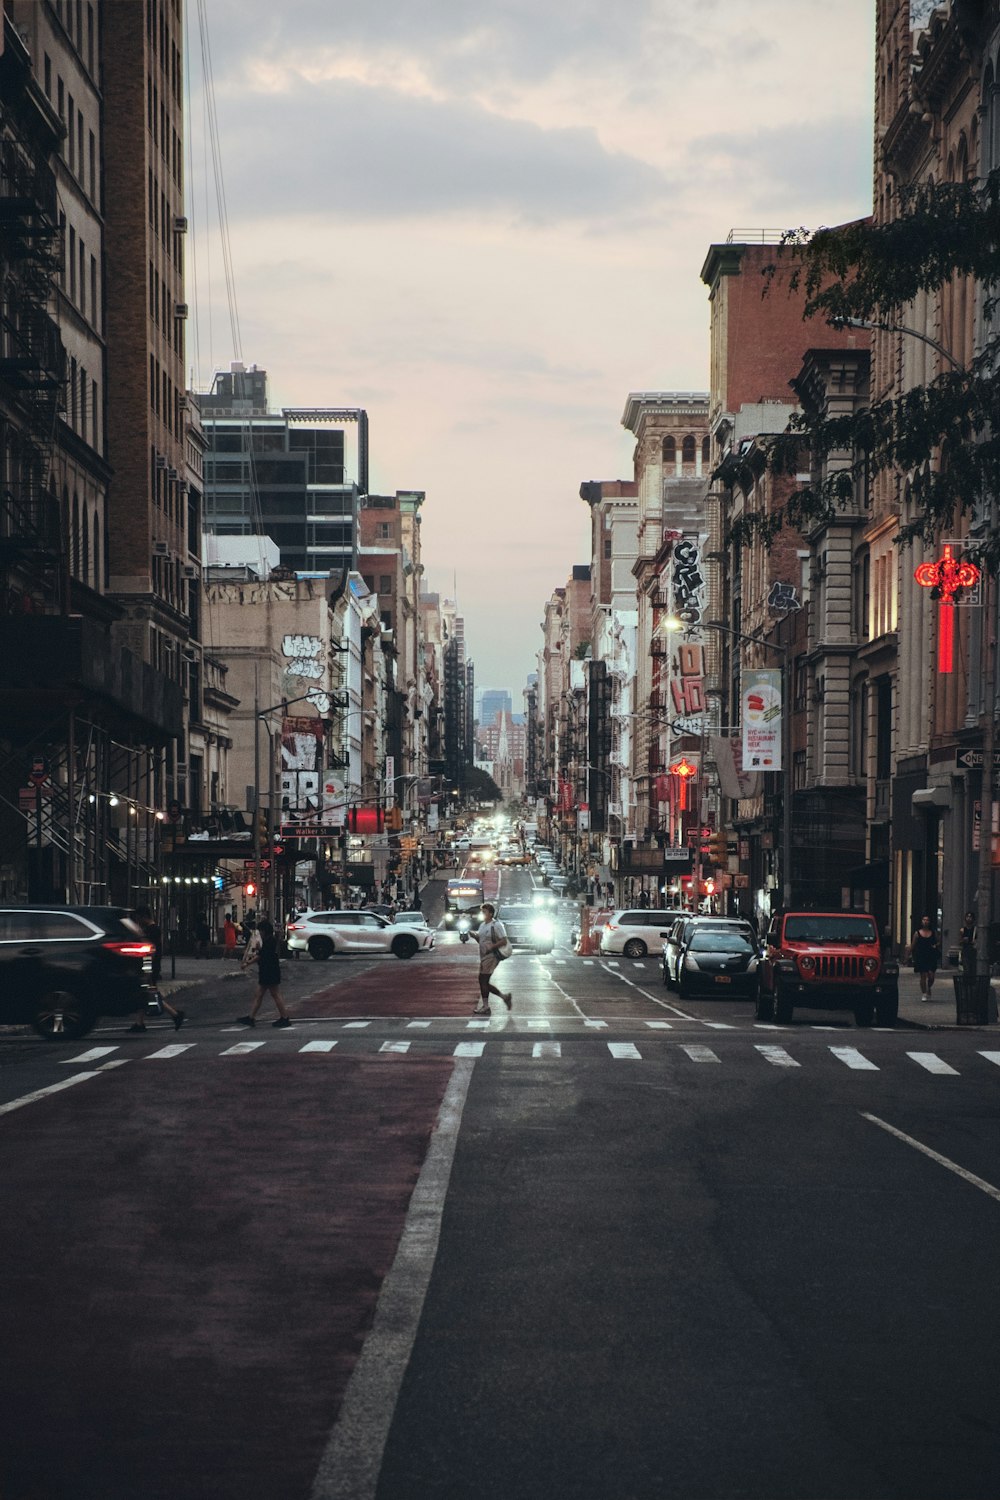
(192, 1252)
(440, 983)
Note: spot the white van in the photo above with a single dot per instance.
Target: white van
(638, 931)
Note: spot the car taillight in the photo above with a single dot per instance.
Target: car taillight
(129, 948)
(292, 927)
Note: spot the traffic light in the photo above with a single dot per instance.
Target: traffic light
(718, 848)
(250, 889)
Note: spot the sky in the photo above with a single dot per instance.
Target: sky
(485, 224)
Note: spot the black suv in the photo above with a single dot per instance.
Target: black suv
(63, 966)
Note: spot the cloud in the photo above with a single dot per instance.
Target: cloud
(804, 170)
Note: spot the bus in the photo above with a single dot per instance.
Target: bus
(463, 894)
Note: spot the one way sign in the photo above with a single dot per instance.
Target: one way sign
(973, 759)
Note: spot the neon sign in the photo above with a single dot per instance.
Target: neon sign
(947, 579)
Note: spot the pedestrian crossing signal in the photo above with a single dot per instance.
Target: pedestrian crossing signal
(250, 889)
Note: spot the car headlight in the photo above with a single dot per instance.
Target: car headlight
(690, 962)
(541, 928)
(807, 964)
(871, 965)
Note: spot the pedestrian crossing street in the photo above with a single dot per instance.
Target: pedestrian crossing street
(769, 1053)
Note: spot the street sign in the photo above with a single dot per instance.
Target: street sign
(39, 772)
(973, 759)
(689, 724)
(680, 852)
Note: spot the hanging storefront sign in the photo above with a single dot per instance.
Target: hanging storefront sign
(949, 579)
(727, 752)
(760, 716)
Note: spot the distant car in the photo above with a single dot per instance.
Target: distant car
(681, 931)
(321, 934)
(637, 931)
(527, 927)
(516, 857)
(542, 896)
(61, 967)
(558, 884)
(717, 961)
(409, 919)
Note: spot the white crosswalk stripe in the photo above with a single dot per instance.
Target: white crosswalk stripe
(852, 1058)
(174, 1050)
(318, 1047)
(395, 1047)
(701, 1054)
(776, 1055)
(417, 1025)
(356, 1025)
(86, 1057)
(993, 1057)
(240, 1049)
(659, 1025)
(547, 1049)
(470, 1049)
(932, 1062)
(624, 1049)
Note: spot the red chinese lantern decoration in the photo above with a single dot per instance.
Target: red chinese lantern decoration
(947, 579)
(684, 770)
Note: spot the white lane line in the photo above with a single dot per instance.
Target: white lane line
(318, 1047)
(624, 1050)
(993, 1057)
(658, 1025)
(470, 1049)
(776, 1055)
(53, 1088)
(417, 1025)
(349, 1467)
(477, 1025)
(852, 1058)
(241, 1049)
(174, 1050)
(720, 1026)
(547, 1049)
(943, 1161)
(612, 963)
(356, 1025)
(395, 1047)
(932, 1062)
(85, 1057)
(700, 1054)
(588, 962)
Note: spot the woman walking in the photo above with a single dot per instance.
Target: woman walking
(925, 953)
(268, 977)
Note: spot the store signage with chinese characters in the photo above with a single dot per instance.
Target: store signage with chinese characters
(760, 714)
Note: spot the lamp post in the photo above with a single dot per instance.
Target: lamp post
(786, 747)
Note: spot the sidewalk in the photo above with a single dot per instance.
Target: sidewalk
(938, 1012)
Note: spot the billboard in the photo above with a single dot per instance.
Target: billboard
(761, 719)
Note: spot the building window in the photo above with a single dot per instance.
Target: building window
(384, 531)
(688, 449)
(669, 450)
(385, 583)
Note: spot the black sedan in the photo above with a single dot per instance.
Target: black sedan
(714, 961)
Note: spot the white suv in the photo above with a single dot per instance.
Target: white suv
(637, 931)
(321, 934)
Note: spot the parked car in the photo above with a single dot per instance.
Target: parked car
(637, 931)
(830, 960)
(558, 884)
(410, 919)
(61, 967)
(321, 934)
(717, 961)
(528, 927)
(680, 932)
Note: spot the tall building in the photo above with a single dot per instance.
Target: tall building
(494, 701)
(89, 708)
(295, 475)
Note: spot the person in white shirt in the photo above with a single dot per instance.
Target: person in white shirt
(491, 937)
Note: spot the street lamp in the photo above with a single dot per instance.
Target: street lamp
(786, 748)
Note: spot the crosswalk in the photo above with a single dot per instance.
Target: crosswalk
(351, 1041)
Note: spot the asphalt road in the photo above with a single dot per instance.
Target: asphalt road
(608, 1246)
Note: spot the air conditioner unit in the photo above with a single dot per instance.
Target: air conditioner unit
(161, 549)
(190, 570)
(180, 310)
(180, 224)
(161, 462)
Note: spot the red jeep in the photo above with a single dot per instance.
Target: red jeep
(831, 960)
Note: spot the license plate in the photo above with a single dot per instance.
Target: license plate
(723, 979)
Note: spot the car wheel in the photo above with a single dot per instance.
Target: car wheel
(864, 1013)
(666, 977)
(404, 947)
(887, 1009)
(321, 948)
(765, 1006)
(783, 1005)
(61, 1016)
(635, 948)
